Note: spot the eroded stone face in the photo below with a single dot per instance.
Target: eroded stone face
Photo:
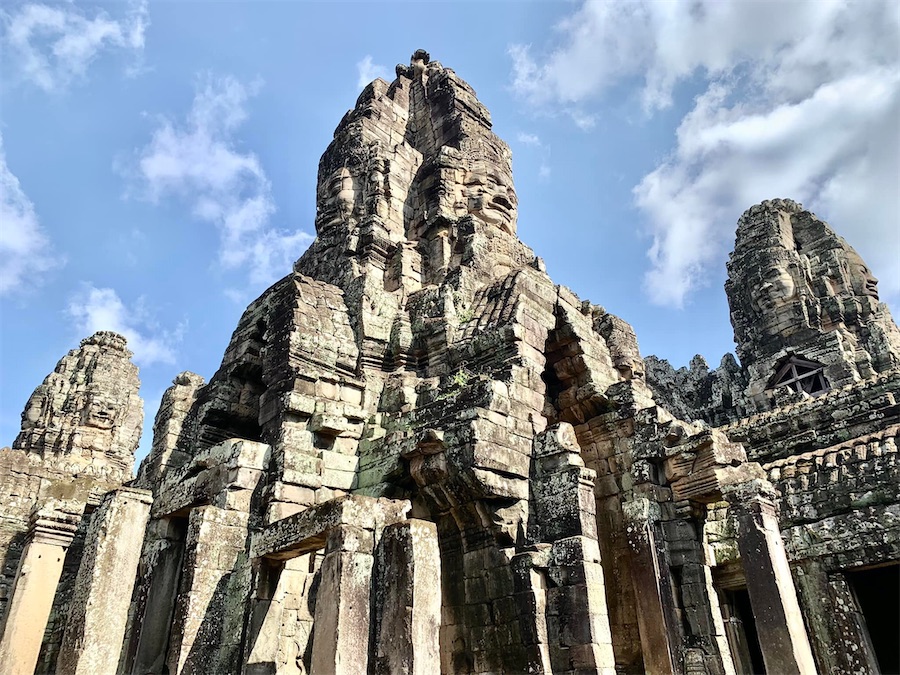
(407, 164)
(798, 290)
(336, 200)
(777, 289)
(862, 280)
(88, 409)
(490, 197)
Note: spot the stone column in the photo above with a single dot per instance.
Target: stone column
(842, 644)
(341, 632)
(98, 612)
(408, 600)
(264, 619)
(51, 531)
(577, 619)
(779, 623)
(280, 619)
(209, 612)
(660, 638)
(154, 602)
(530, 579)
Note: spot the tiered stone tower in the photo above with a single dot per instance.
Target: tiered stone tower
(80, 430)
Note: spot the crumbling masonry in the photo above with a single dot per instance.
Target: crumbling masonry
(420, 455)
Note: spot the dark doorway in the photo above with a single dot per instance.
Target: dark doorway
(877, 592)
(740, 627)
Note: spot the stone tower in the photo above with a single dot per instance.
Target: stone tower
(80, 430)
(87, 411)
(803, 302)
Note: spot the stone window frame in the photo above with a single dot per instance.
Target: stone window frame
(800, 375)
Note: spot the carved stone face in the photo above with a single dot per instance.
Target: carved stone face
(776, 289)
(100, 412)
(33, 412)
(861, 278)
(490, 197)
(336, 200)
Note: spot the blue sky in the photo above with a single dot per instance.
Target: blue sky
(158, 160)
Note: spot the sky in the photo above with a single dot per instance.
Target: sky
(158, 160)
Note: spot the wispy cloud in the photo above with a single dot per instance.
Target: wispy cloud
(368, 71)
(25, 253)
(198, 161)
(812, 114)
(92, 309)
(533, 142)
(52, 45)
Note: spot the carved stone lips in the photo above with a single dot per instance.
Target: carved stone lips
(502, 202)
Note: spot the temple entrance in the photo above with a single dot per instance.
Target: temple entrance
(877, 595)
(740, 628)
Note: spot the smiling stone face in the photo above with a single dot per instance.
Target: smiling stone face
(862, 280)
(489, 196)
(336, 200)
(777, 289)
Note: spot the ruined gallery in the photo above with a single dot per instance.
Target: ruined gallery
(420, 455)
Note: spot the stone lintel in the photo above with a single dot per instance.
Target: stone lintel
(233, 463)
(308, 530)
(703, 477)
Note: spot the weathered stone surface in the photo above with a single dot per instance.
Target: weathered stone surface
(407, 600)
(80, 429)
(99, 608)
(167, 426)
(51, 529)
(419, 454)
(88, 409)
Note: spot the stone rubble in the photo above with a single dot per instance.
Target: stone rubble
(421, 455)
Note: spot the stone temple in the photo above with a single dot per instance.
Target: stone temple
(421, 456)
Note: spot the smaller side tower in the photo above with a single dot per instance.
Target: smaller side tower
(804, 306)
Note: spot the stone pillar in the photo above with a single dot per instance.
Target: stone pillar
(408, 600)
(264, 619)
(842, 644)
(660, 638)
(154, 602)
(530, 579)
(577, 619)
(51, 531)
(98, 612)
(779, 623)
(209, 612)
(341, 632)
(280, 618)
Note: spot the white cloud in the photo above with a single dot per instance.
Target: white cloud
(368, 71)
(801, 100)
(52, 45)
(25, 252)
(93, 309)
(199, 163)
(533, 141)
